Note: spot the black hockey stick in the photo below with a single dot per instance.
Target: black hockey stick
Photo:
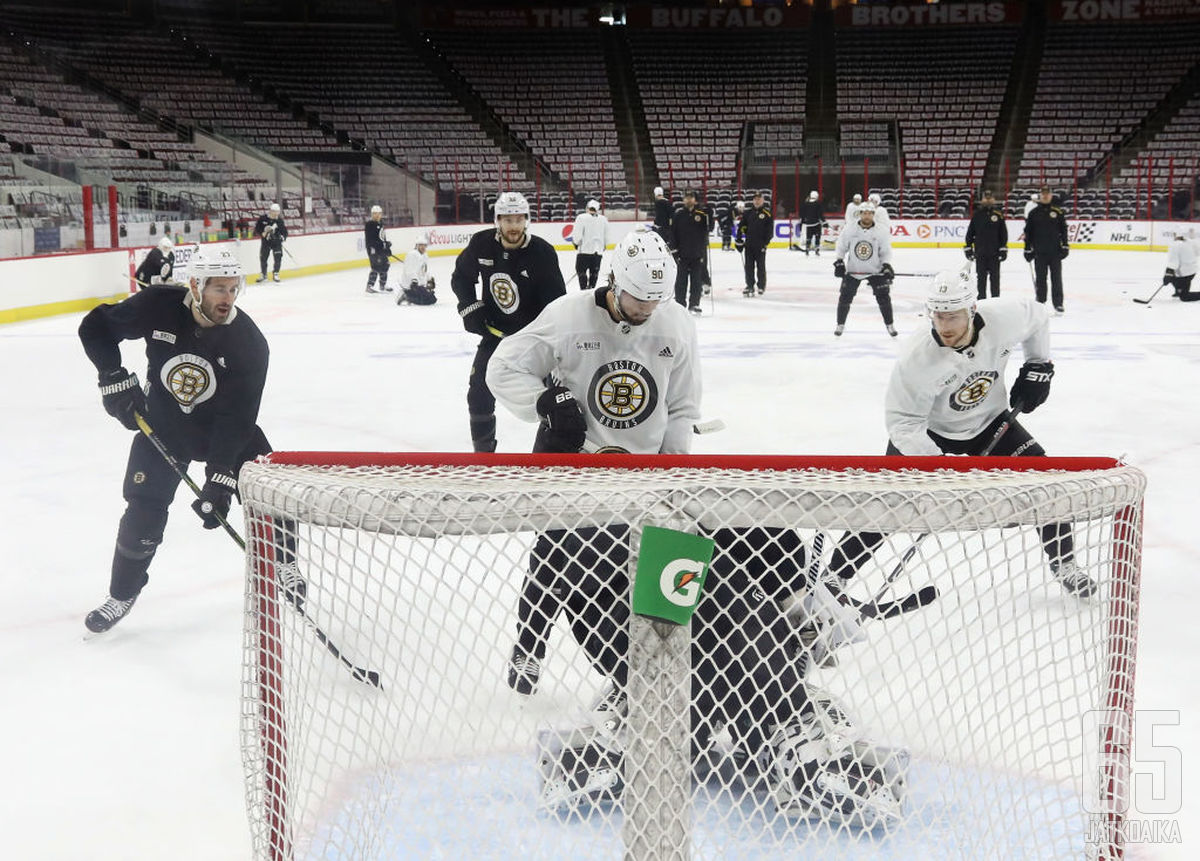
(874, 609)
(1152, 295)
(371, 677)
(1010, 416)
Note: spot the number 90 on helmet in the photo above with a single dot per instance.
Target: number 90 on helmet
(643, 267)
(951, 290)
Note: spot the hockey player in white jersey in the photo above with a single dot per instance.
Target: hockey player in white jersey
(864, 251)
(590, 237)
(881, 214)
(852, 210)
(1181, 267)
(946, 395)
(417, 285)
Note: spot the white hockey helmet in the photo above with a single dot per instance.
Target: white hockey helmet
(422, 239)
(874, 198)
(274, 207)
(511, 203)
(643, 267)
(812, 195)
(593, 204)
(951, 290)
(165, 244)
(741, 204)
(866, 206)
(377, 210)
(858, 198)
(658, 191)
(210, 262)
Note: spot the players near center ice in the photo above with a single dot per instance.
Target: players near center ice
(272, 232)
(689, 238)
(987, 243)
(416, 284)
(519, 276)
(810, 219)
(755, 232)
(1181, 267)
(946, 395)
(159, 265)
(628, 355)
(379, 251)
(864, 251)
(1047, 246)
(207, 367)
(590, 238)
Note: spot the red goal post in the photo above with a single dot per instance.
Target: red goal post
(415, 565)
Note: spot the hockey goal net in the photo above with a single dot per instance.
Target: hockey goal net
(959, 699)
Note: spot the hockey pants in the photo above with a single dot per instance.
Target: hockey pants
(481, 405)
(812, 237)
(1058, 541)
(264, 251)
(880, 286)
(587, 268)
(379, 268)
(985, 268)
(150, 485)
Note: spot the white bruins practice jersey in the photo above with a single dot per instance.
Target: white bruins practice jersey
(416, 268)
(1181, 256)
(956, 393)
(865, 249)
(590, 233)
(639, 386)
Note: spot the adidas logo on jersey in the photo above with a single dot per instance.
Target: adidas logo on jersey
(666, 353)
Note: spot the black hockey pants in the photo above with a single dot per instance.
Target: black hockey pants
(880, 286)
(481, 404)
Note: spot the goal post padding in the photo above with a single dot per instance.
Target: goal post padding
(415, 565)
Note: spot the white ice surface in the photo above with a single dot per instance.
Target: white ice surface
(126, 747)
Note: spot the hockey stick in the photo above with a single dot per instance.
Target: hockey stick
(1010, 417)
(371, 677)
(290, 255)
(1152, 295)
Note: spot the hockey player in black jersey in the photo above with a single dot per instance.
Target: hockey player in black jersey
(379, 250)
(520, 276)
(207, 367)
(159, 265)
(810, 218)
(272, 232)
(664, 213)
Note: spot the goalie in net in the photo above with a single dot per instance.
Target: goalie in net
(632, 363)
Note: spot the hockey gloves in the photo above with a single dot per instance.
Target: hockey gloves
(122, 396)
(839, 268)
(740, 245)
(1063, 251)
(888, 272)
(563, 424)
(969, 252)
(1003, 254)
(473, 319)
(213, 504)
(1032, 386)
(1168, 276)
(1029, 254)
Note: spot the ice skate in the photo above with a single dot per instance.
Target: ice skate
(108, 614)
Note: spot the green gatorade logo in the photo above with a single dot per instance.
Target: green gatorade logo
(671, 568)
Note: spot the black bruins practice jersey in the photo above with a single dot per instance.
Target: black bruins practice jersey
(204, 383)
(517, 283)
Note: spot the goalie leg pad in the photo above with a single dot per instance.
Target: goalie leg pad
(579, 770)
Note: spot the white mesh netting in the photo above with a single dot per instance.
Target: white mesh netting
(937, 710)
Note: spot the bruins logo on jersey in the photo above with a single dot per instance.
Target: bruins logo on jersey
(190, 380)
(973, 390)
(504, 292)
(864, 250)
(622, 394)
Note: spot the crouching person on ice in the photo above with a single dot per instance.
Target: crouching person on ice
(207, 368)
(624, 377)
(417, 285)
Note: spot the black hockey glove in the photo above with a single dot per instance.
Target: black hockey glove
(1003, 253)
(214, 497)
(969, 252)
(387, 249)
(1032, 386)
(1063, 251)
(563, 424)
(473, 319)
(839, 269)
(887, 272)
(1029, 254)
(122, 396)
(1168, 276)
(740, 245)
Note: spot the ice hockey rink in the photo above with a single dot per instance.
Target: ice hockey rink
(127, 746)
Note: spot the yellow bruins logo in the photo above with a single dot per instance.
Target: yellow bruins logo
(622, 394)
(973, 391)
(190, 380)
(864, 250)
(139, 477)
(504, 292)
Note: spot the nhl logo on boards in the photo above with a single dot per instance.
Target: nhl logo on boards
(622, 394)
(973, 391)
(502, 290)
